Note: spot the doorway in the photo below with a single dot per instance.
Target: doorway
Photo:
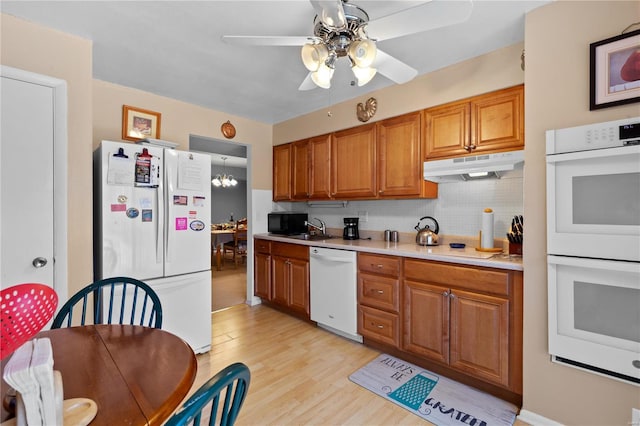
(228, 204)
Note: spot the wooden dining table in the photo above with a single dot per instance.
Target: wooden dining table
(218, 238)
(136, 375)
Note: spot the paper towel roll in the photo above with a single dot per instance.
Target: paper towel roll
(487, 229)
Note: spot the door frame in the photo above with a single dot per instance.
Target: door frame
(60, 142)
(250, 299)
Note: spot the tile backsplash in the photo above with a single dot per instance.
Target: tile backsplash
(458, 209)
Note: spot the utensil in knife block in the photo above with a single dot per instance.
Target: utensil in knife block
(515, 248)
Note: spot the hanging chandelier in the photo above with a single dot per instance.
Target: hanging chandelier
(224, 180)
(337, 36)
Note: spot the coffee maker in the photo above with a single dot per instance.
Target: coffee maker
(350, 229)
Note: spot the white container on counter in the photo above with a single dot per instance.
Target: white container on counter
(487, 229)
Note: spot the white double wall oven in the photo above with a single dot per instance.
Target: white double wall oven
(593, 247)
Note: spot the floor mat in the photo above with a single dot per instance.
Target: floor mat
(435, 398)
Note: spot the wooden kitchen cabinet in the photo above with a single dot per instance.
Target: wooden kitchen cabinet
(320, 167)
(290, 277)
(492, 122)
(262, 268)
(379, 298)
(399, 170)
(353, 163)
(300, 170)
(468, 318)
(282, 172)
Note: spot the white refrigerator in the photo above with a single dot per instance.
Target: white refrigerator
(152, 210)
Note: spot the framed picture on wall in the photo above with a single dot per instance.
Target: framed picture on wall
(615, 71)
(139, 123)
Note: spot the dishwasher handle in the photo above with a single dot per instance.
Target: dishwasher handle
(340, 259)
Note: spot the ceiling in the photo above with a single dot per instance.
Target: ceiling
(174, 48)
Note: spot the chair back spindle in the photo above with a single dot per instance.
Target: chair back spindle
(228, 386)
(122, 300)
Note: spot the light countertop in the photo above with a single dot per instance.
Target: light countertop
(443, 253)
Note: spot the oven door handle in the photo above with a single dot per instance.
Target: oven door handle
(612, 265)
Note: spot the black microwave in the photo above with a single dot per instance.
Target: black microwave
(287, 223)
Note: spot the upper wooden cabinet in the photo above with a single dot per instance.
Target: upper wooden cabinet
(300, 170)
(320, 167)
(353, 165)
(398, 154)
(282, 172)
(492, 122)
(385, 159)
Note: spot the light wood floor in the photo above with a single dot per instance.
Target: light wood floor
(299, 372)
(228, 286)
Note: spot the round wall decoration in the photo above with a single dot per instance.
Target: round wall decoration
(228, 130)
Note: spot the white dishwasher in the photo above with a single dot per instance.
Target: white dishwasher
(334, 301)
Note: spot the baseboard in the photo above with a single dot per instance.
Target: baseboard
(536, 419)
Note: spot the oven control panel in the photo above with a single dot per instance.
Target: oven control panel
(610, 134)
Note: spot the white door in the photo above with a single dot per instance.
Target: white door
(188, 188)
(29, 131)
(131, 237)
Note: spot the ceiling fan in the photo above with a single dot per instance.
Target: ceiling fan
(342, 29)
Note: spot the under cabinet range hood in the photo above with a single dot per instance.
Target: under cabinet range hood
(474, 167)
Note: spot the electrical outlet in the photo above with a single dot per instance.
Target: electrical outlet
(635, 417)
(363, 216)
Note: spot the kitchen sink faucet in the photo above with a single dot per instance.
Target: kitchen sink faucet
(322, 228)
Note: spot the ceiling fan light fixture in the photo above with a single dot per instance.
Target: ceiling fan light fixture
(363, 75)
(363, 52)
(322, 77)
(314, 55)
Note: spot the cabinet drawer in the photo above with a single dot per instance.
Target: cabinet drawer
(379, 325)
(379, 292)
(297, 251)
(262, 246)
(379, 264)
(478, 279)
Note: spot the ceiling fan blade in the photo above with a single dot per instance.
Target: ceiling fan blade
(266, 40)
(330, 12)
(425, 17)
(307, 83)
(393, 68)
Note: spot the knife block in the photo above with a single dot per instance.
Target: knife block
(515, 248)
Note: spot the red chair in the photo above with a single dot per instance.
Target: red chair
(25, 309)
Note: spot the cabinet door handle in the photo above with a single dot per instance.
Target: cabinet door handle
(472, 147)
(379, 266)
(445, 293)
(373, 290)
(451, 295)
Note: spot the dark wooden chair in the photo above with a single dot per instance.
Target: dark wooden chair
(238, 247)
(228, 386)
(119, 300)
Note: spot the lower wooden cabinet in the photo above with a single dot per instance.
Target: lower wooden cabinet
(282, 276)
(466, 317)
(379, 298)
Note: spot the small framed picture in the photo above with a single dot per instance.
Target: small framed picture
(615, 71)
(139, 123)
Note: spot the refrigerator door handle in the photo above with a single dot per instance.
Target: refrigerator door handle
(168, 170)
(160, 222)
